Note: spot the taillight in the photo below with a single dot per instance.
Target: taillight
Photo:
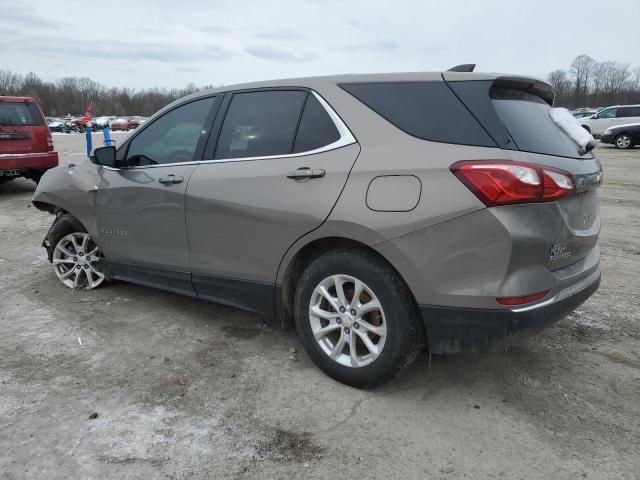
(521, 300)
(49, 139)
(504, 183)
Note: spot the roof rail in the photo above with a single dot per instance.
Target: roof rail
(467, 67)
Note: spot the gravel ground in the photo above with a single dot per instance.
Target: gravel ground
(187, 389)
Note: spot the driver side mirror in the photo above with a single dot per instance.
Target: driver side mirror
(104, 156)
(593, 117)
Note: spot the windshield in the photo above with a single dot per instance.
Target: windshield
(526, 117)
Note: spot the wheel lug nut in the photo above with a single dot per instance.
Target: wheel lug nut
(353, 312)
(81, 253)
(86, 266)
(88, 259)
(338, 321)
(346, 330)
(342, 309)
(356, 326)
(75, 259)
(78, 267)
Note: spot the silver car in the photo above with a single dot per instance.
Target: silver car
(381, 214)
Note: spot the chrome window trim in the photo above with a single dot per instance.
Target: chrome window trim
(346, 138)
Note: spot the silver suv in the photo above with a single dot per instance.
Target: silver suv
(381, 213)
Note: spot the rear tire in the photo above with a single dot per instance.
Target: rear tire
(385, 340)
(623, 141)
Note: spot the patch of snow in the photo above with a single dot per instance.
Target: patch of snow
(572, 127)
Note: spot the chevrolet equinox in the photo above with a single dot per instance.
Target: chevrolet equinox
(383, 214)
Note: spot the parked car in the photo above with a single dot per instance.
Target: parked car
(26, 146)
(381, 213)
(611, 116)
(583, 113)
(55, 124)
(120, 124)
(622, 136)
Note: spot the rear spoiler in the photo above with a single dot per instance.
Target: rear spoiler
(531, 85)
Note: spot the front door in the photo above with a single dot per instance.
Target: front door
(140, 205)
(281, 161)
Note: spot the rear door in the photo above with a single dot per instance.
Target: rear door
(628, 115)
(279, 163)
(22, 128)
(523, 118)
(140, 206)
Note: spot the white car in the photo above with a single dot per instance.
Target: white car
(597, 123)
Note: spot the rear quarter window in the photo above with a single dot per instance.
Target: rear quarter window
(20, 114)
(426, 110)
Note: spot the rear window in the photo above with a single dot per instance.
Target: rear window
(20, 114)
(427, 110)
(526, 117)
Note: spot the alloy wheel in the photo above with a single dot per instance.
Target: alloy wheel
(76, 260)
(623, 141)
(347, 320)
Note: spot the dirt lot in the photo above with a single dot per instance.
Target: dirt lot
(187, 389)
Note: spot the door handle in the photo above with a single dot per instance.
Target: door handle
(170, 180)
(305, 173)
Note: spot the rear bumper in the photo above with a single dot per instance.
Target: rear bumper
(455, 330)
(28, 161)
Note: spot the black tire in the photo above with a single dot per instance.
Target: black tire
(405, 337)
(626, 141)
(63, 226)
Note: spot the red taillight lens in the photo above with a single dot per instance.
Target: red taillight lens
(521, 300)
(49, 139)
(504, 183)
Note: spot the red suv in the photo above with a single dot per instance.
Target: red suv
(26, 146)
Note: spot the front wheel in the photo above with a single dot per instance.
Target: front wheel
(356, 318)
(77, 260)
(623, 141)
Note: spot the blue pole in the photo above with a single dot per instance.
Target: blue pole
(107, 135)
(87, 133)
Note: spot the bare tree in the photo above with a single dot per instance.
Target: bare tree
(561, 84)
(581, 68)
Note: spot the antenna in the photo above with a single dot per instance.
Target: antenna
(467, 67)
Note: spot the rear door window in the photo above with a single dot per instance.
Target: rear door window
(20, 114)
(526, 117)
(426, 110)
(259, 124)
(628, 112)
(316, 128)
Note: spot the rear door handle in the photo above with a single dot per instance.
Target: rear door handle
(304, 173)
(170, 180)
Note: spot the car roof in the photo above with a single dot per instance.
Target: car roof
(311, 82)
(16, 99)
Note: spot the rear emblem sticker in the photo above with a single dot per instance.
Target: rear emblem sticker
(558, 251)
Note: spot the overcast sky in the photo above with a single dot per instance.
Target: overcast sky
(170, 43)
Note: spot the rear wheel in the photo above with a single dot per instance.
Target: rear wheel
(357, 320)
(623, 140)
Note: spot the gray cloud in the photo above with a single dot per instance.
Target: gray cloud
(267, 52)
(280, 35)
(228, 42)
(19, 16)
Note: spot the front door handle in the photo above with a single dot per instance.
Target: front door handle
(305, 173)
(170, 180)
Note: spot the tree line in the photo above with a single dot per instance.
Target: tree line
(586, 83)
(590, 83)
(71, 95)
